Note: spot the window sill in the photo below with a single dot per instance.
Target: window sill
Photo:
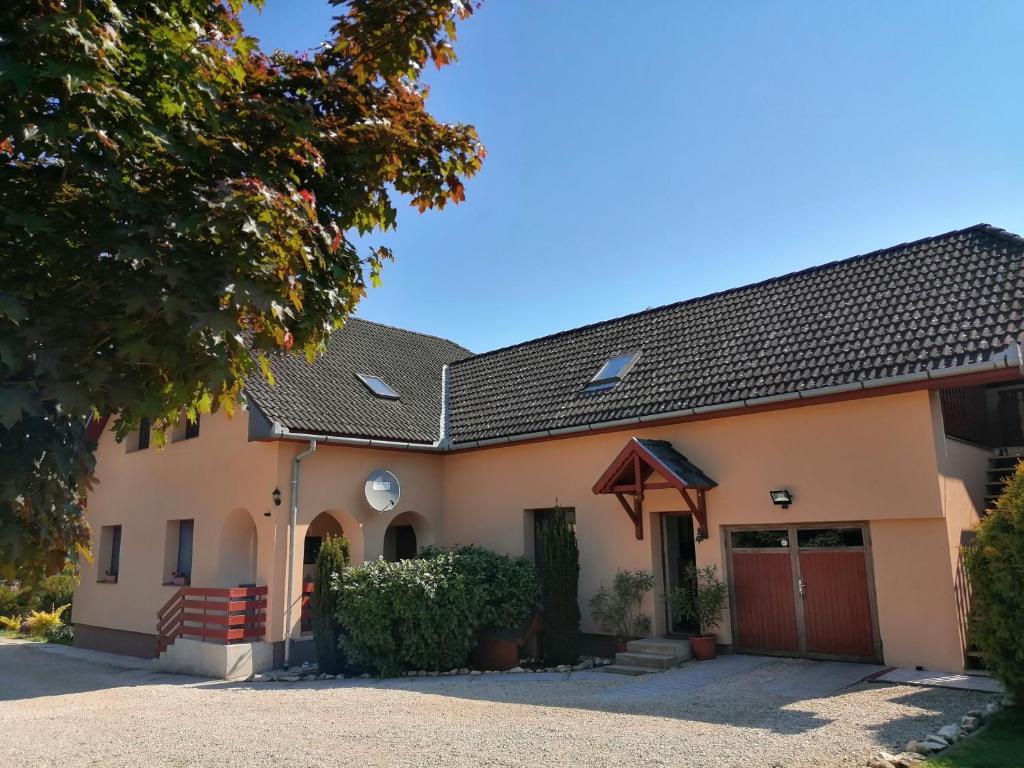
(174, 584)
(105, 581)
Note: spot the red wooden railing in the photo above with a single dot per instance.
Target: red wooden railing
(306, 611)
(213, 614)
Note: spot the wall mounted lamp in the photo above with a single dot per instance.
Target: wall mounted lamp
(277, 497)
(781, 498)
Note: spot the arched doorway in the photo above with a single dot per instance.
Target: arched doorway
(323, 525)
(405, 535)
(236, 560)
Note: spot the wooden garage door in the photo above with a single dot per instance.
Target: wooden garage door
(804, 590)
(762, 582)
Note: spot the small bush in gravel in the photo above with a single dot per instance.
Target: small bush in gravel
(995, 562)
(425, 613)
(330, 562)
(560, 574)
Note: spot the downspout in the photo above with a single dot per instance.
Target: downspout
(292, 522)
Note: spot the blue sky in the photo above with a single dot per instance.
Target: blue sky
(640, 158)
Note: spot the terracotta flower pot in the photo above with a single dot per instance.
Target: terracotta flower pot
(703, 647)
(621, 647)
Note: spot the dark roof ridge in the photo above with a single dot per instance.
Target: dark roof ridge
(996, 231)
(407, 330)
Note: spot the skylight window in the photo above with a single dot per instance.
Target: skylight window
(378, 386)
(612, 372)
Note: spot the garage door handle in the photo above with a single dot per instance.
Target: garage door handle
(802, 587)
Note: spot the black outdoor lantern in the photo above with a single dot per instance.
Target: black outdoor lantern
(781, 498)
(277, 497)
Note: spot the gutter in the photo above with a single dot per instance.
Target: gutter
(1009, 358)
(292, 522)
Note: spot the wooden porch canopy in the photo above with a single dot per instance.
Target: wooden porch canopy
(630, 473)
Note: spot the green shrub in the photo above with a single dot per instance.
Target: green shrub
(560, 574)
(57, 590)
(15, 600)
(701, 598)
(617, 611)
(330, 562)
(413, 614)
(10, 623)
(995, 563)
(425, 613)
(504, 589)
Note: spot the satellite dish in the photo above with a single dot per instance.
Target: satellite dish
(382, 490)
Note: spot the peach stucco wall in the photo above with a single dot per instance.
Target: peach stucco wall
(881, 460)
(206, 479)
(225, 484)
(862, 460)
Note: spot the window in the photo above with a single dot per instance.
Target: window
(178, 552)
(185, 429)
(774, 539)
(143, 443)
(109, 563)
(830, 537)
(612, 372)
(378, 386)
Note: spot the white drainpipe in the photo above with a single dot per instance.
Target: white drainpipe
(292, 522)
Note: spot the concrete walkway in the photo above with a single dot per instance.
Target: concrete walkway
(812, 681)
(906, 676)
(115, 660)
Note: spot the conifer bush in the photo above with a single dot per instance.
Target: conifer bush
(330, 563)
(560, 573)
(995, 564)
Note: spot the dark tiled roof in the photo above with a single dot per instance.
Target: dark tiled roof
(327, 398)
(680, 466)
(936, 303)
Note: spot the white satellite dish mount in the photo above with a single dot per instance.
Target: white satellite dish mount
(382, 490)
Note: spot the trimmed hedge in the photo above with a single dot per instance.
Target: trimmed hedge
(995, 563)
(425, 613)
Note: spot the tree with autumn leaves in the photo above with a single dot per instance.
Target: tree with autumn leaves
(176, 204)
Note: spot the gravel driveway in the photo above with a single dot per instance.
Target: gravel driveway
(57, 710)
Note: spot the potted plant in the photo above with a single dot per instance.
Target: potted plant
(701, 599)
(617, 611)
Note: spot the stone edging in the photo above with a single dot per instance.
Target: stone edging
(917, 751)
(311, 673)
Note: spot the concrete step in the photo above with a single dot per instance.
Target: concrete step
(664, 646)
(627, 669)
(652, 660)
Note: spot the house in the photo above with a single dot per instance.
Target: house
(827, 439)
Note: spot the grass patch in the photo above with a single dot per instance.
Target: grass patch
(11, 634)
(1000, 744)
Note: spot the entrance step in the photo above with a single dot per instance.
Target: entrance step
(627, 669)
(663, 646)
(652, 660)
(650, 655)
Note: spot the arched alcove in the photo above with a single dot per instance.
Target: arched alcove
(406, 534)
(236, 553)
(323, 525)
